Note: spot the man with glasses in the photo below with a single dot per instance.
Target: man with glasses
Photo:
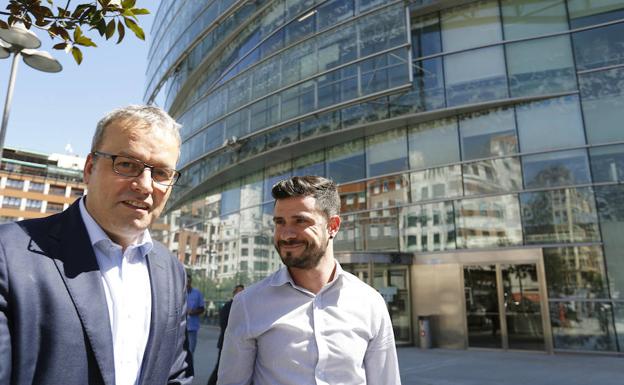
(86, 296)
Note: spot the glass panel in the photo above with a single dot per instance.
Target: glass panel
(611, 212)
(297, 100)
(582, 325)
(388, 191)
(539, 67)
(365, 112)
(584, 12)
(333, 12)
(378, 230)
(619, 323)
(352, 196)
(251, 191)
(427, 89)
(556, 169)
(273, 175)
(470, 26)
(607, 163)
(559, 216)
(475, 76)
(337, 47)
(230, 197)
(488, 133)
(382, 30)
(436, 183)
(433, 143)
(492, 176)
(603, 105)
(525, 18)
(386, 152)
(346, 162)
(482, 309)
(427, 227)
(311, 164)
(551, 123)
(599, 47)
(488, 222)
(522, 307)
(345, 238)
(282, 136)
(425, 35)
(576, 272)
(398, 300)
(319, 124)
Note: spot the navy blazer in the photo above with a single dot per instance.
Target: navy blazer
(54, 324)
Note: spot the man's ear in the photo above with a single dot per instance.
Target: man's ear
(88, 168)
(333, 225)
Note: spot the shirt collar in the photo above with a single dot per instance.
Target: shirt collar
(283, 276)
(99, 239)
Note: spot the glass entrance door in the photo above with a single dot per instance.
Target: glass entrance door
(503, 306)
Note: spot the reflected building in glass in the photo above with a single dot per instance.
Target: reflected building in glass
(477, 146)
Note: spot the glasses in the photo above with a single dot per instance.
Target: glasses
(130, 167)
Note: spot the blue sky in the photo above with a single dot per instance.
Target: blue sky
(51, 110)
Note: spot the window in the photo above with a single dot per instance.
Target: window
(77, 192)
(33, 205)
(57, 190)
(526, 18)
(471, 26)
(556, 169)
(16, 184)
(488, 133)
(435, 183)
(36, 186)
(433, 143)
(11, 202)
(500, 175)
(345, 162)
(386, 153)
(607, 163)
(602, 97)
(499, 216)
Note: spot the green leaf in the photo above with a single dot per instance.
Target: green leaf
(135, 28)
(121, 30)
(85, 41)
(128, 3)
(77, 54)
(60, 46)
(110, 29)
(140, 11)
(101, 27)
(77, 33)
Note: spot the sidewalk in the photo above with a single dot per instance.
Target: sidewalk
(468, 367)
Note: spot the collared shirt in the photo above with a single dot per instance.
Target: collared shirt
(126, 282)
(282, 334)
(194, 300)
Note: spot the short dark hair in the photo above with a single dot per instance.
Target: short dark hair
(322, 189)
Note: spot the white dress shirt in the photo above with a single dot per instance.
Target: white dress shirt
(282, 334)
(126, 282)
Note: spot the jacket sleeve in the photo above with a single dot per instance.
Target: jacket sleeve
(181, 372)
(5, 334)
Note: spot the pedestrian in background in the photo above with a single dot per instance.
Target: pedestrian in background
(311, 322)
(195, 308)
(224, 315)
(86, 296)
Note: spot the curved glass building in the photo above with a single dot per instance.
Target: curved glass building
(478, 147)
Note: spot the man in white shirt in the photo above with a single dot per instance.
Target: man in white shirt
(86, 296)
(310, 323)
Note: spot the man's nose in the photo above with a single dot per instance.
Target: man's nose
(144, 181)
(287, 232)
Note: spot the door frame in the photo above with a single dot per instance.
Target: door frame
(511, 257)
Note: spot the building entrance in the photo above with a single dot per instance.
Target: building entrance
(505, 306)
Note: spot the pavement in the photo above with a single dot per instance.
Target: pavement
(468, 367)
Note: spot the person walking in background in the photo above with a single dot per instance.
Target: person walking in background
(310, 322)
(224, 315)
(86, 296)
(195, 308)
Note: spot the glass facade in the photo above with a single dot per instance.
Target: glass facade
(486, 127)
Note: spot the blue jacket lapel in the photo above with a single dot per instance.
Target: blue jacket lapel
(79, 269)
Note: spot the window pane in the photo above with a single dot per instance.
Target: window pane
(389, 191)
(427, 89)
(575, 272)
(584, 13)
(582, 325)
(556, 169)
(345, 162)
(282, 136)
(488, 133)
(525, 18)
(599, 47)
(539, 67)
(607, 163)
(311, 164)
(337, 47)
(602, 97)
(345, 238)
(471, 25)
(386, 153)
(559, 216)
(230, 198)
(436, 183)
(488, 222)
(619, 323)
(610, 204)
(251, 190)
(334, 12)
(475, 76)
(378, 230)
(551, 123)
(273, 175)
(382, 30)
(492, 176)
(433, 143)
(352, 196)
(319, 124)
(425, 35)
(427, 227)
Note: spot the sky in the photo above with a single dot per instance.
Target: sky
(51, 110)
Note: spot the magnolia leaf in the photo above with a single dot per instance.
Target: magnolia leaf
(135, 28)
(60, 46)
(110, 29)
(128, 3)
(140, 11)
(121, 30)
(77, 54)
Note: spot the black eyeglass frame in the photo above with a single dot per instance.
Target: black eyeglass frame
(112, 157)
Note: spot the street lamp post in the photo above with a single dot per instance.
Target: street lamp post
(21, 42)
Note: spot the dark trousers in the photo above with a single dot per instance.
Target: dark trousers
(213, 376)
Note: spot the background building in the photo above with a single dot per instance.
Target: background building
(478, 146)
(34, 185)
